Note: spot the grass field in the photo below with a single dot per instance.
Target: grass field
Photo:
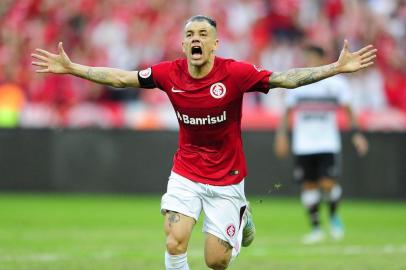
(103, 232)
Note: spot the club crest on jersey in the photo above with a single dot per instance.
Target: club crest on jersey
(217, 90)
(257, 68)
(230, 230)
(145, 73)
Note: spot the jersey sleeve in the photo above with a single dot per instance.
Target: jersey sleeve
(159, 73)
(250, 78)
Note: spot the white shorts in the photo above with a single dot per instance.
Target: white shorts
(223, 206)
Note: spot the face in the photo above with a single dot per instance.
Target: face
(200, 42)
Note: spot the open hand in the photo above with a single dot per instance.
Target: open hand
(52, 63)
(351, 62)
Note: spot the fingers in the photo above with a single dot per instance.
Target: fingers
(368, 59)
(46, 70)
(60, 48)
(346, 46)
(44, 52)
(365, 49)
(369, 53)
(40, 57)
(40, 64)
(366, 65)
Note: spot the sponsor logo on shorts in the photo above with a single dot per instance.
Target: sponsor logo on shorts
(208, 120)
(145, 73)
(230, 230)
(217, 90)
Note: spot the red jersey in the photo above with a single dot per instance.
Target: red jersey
(209, 113)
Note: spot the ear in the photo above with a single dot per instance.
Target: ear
(183, 47)
(216, 45)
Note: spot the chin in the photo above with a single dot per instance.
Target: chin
(197, 62)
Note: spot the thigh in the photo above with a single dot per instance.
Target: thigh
(217, 251)
(181, 205)
(305, 169)
(178, 229)
(224, 208)
(182, 196)
(328, 166)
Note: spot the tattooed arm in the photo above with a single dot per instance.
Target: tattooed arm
(301, 76)
(347, 62)
(61, 64)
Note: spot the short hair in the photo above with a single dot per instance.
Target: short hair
(211, 21)
(315, 49)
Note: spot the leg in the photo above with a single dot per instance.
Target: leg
(224, 222)
(181, 206)
(217, 252)
(329, 171)
(306, 175)
(332, 191)
(310, 198)
(178, 229)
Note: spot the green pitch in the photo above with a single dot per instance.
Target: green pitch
(72, 232)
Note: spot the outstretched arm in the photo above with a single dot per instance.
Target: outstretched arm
(347, 62)
(61, 64)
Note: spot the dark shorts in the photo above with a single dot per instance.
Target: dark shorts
(311, 168)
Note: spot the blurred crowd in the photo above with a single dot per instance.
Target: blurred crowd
(136, 34)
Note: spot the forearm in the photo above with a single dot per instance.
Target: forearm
(352, 118)
(109, 76)
(301, 76)
(283, 124)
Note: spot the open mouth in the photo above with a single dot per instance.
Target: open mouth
(196, 51)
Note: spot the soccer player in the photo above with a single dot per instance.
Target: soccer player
(316, 143)
(209, 166)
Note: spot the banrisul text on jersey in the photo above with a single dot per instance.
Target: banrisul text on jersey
(208, 120)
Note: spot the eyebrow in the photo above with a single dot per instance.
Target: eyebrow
(200, 30)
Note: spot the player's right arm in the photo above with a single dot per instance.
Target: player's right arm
(61, 64)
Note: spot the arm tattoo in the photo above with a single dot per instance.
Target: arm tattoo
(301, 76)
(98, 76)
(173, 217)
(225, 244)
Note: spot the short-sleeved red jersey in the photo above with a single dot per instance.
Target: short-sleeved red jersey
(209, 114)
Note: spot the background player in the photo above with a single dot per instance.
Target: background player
(209, 166)
(316, 143)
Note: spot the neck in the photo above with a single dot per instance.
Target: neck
(198, 72)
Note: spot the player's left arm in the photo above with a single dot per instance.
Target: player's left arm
(347, 62)
(358, 139)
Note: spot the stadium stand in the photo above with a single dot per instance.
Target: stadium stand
(137, 34)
